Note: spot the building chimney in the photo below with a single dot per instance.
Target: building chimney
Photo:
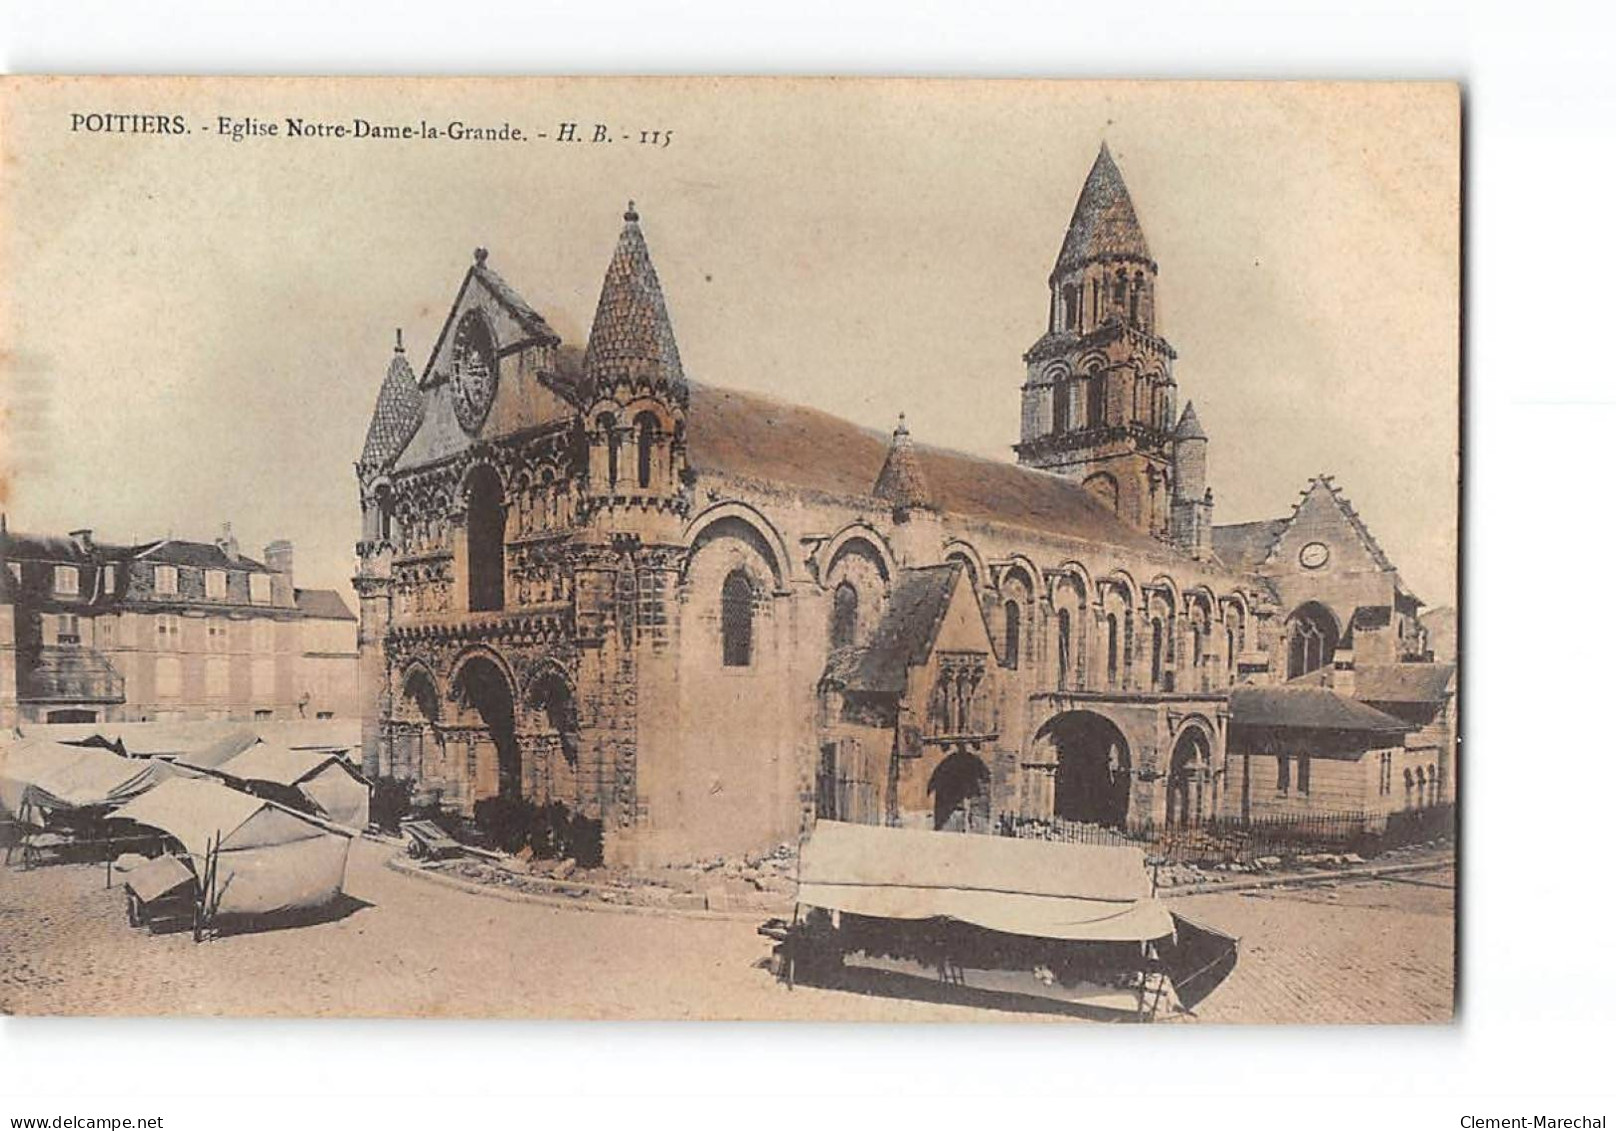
(228, 545)
(278, 557)
(82, 539)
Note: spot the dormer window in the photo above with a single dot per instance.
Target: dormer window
(258, 589)
(215, 584)
(168, 580)
(109, 579)
(66, 581)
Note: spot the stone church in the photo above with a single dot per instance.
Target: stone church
(704, 617)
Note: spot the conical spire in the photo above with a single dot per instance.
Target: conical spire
(1189, 425)
(1104, 223)
(398, 412)
(632, 338)
(901, 481)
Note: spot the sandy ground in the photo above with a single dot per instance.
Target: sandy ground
(1377, 951)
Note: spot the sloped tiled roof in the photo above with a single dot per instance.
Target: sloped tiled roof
(1189, 425)
(397, 416)
(904, 636)
(632, 337)
(529, 319)
(1104, 223)
(172, 551)
(1402, 683)
(771, 443)
(1242, 546)
(326, 604)
(902, 482)
(1293, 706)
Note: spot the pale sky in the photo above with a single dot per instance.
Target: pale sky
(196, 328)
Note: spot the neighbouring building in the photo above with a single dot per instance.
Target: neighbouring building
(167, 630)
(705, 616)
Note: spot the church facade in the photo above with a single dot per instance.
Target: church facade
(704, 617)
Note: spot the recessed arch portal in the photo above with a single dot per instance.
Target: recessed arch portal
(482, 691)
(1093, 768)
(1189, 779)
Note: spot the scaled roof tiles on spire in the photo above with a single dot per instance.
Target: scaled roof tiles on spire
(1104, 223)
(632, 337)
(902, 482)
(397, 416)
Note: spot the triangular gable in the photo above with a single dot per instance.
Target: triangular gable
(929, 610)
(514, 323)
(527, 394)
(1326, 516)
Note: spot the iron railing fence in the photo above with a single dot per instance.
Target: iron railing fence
(1230, 840)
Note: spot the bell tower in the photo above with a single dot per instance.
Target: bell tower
(1098, 404)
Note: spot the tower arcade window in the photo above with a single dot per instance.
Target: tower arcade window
(1155, 652)
(485, 541)
(607, 423)
(735, 619)
(844, 616)
(1063, 648)
(645, 429)
(1073, 311)
(1111, 649)
(1063, 403)
(1012, 634)
(1095, 415)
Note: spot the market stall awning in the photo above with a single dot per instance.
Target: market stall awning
(1023, 887)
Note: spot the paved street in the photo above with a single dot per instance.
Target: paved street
(1373, 951)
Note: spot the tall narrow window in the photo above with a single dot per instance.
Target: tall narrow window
(1283, 780)
(1069, 298)
(735, 620)
(1012, 634)
(1156, 653)
(1231, 663)
(1133, 299)
(1119, 290)
(1096, 406)
(1063, 648)
(1111, 649)
(844, 616)
(1063, 404)
(607, 424)
(1094, 304)
(485, 541)
(646, 437)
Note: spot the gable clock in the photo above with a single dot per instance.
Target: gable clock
(473, 371)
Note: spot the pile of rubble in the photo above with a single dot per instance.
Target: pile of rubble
(1176, 875)
(755, 882)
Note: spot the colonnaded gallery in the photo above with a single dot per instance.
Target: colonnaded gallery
(705, 617)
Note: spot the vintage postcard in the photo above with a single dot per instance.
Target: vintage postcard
(729, 548)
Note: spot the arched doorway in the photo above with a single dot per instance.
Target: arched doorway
(1314, 635)
(485, 540)
(959, 791)
(417, 750)
(1093, 768)
(1189, 780)
(481, 687)
(551, 702)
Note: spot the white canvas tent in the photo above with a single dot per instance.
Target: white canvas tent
(93, 778)
(40, 774)
(1079, 892)
(329, 781)
(270, 859)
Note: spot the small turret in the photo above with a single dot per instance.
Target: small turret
(1192, 499)
(917, 536)
(901, 482)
